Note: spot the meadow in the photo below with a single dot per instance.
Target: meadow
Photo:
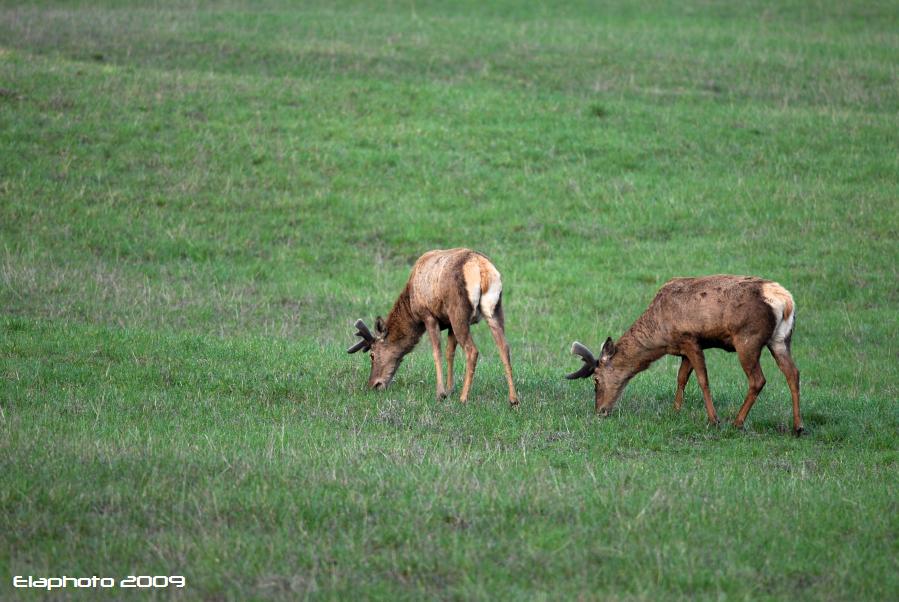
(197, 199)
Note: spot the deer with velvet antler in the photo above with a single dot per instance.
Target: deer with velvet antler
(447, 290)
(741, 314)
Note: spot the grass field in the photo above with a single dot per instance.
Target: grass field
(197, 200)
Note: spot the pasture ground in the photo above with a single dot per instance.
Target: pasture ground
(197, 199)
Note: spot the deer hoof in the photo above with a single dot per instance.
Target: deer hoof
(603, 412)
(798, 431)
(513, 403)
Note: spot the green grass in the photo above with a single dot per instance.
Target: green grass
(197, 200)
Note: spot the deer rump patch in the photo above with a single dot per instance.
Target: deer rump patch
(781, 302)
(483, 286)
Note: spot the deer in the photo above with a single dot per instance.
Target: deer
(446, 290)
(739, 314)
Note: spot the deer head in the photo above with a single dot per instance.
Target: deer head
(385, 357)
(608, 380)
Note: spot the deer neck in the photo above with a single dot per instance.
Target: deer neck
(403, 329)
(636, 350)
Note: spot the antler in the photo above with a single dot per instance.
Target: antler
(589, 361)
(367, 338)
(364, 332)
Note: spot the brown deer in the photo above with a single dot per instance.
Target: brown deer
(447, 290)
(734, 313)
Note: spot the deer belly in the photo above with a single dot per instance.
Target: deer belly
(717, 343)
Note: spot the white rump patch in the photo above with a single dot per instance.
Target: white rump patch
(490, 299)
(782, 330)
(472, 275)
(781, 302)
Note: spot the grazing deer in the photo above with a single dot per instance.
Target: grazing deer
(734, 313)
(447, 290)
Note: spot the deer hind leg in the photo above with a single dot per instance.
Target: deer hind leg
(433, 329)
(781, 353)
(496, 321)
(697, 360)
(463, 336)
(683, 375)
(749, 359)
(450, 358)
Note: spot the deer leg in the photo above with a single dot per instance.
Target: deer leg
(450, 358)
(497, 327)
(683, 375)
(784, 361)
(433, 329)
(697, 360)
(749, 359)
(471, 361)
(463, 336)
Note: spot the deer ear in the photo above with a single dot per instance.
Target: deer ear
(608, 350)
(380, 327)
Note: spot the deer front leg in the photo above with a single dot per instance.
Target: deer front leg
(697, 359)
(683, 375)
(434, 334)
